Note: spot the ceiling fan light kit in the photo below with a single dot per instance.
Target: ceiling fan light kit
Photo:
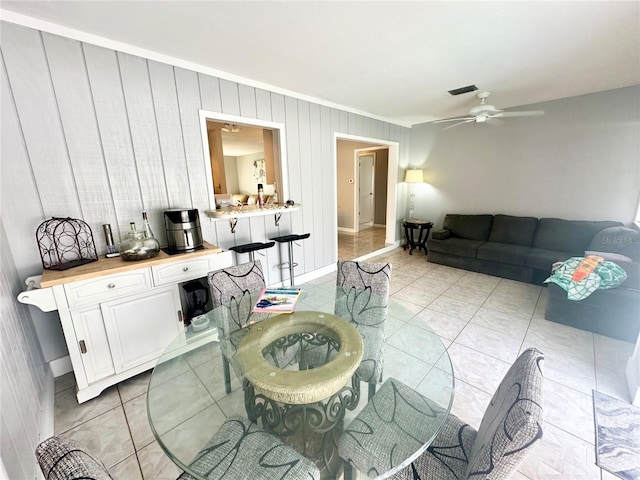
(485, 111)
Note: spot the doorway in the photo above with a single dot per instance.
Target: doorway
(366, 175)
(352, 241)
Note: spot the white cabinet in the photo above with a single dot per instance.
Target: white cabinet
(117, 325)
(93, 343)
(139, 327)
(180, 272)
(100, 289)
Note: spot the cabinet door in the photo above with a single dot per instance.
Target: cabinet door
(92, 342)
(140, 327)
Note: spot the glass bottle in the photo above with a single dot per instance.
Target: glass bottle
(147, 228)
(260, 196)
(138, 246)
(275, 194)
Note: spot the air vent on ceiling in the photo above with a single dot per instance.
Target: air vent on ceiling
(460, 91)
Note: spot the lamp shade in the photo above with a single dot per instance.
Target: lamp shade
(413, 176)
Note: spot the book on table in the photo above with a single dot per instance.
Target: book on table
(277, 300)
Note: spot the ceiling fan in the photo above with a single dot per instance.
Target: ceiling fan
(483, 112)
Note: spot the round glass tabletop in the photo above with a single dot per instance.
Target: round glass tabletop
(190, 396)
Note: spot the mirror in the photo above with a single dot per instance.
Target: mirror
(243, 153)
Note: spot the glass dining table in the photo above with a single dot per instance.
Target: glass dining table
(297, 375)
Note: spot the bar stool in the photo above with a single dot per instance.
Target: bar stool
(252, 247)
(290, 239)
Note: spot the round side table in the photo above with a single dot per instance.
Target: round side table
(423, 227)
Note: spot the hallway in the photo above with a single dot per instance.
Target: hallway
(354, 245)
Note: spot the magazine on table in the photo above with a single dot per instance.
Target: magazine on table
(277, 300)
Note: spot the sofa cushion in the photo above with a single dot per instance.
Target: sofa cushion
(503, 253)
(542, 259)
(513, 230)
(471, 227)
(612, 312)
(620, 240)
(440, 234)
(455, 246)
(573, 236)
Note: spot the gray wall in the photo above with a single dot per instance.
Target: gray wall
(22, 380)
(581, 160)
(100, 135)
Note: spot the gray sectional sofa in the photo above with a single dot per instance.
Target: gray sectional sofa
(525, 248)
(519, 248)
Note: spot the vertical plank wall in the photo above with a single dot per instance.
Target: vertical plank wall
(91, 133)
(107, 134)
(22, 376)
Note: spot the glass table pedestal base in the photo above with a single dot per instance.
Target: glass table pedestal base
(312, 429)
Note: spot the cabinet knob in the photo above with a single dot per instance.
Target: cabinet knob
(185, 269)
(111, 285)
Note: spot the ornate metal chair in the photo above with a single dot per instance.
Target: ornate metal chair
(241, 449)
(61, 458)
(395, 424)
(238, 449)
(362, 298)
(233, 294)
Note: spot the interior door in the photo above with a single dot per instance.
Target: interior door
(366, 164)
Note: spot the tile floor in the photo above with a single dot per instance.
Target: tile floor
(354, 245)
(483, 321)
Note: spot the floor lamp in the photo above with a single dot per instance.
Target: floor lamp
(412, 177)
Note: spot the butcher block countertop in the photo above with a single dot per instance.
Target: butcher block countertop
(108, 266)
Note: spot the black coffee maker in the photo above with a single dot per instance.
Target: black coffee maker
(195, 299)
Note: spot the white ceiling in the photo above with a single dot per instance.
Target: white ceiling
(394, 60)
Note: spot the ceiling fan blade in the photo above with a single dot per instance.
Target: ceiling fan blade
(454, 119)
(460, 123)
(531, 113)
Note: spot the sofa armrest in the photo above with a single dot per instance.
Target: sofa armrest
(440, 234)
(619, 240)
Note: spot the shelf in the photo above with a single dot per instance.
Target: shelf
(249, 211)
(233, 214)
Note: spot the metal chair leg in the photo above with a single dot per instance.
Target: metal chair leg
(291, 264)
(372, 390)
(227, 374)
(348, 471)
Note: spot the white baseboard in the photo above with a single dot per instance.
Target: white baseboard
(60, 366)
(633, 380)
(48, 405)
(347, 230)
(379, 252)
(47, 414)
(321, 272)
